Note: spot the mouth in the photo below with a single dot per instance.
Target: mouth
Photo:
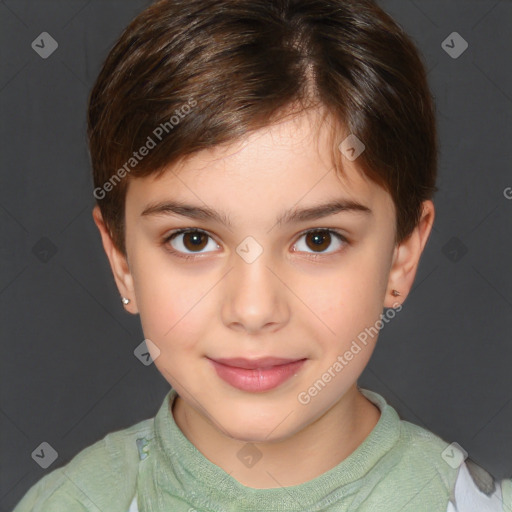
(256, 375)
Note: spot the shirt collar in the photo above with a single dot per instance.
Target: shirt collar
(173, 469)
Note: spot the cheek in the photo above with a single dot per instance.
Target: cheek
(170, 304)
(345, 302)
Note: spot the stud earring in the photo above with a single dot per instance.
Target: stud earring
(125, 300)
(395, 293)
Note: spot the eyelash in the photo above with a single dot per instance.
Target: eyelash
(187, 256)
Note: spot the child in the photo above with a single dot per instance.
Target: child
(264, 173)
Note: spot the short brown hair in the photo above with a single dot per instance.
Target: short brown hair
(242, 63)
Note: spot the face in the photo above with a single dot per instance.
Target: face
(301, 289)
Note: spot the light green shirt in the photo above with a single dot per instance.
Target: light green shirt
(152, 467)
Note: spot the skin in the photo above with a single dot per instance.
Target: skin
(286, 303)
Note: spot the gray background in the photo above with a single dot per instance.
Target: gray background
(69, 375)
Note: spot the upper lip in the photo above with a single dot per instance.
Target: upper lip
(252, 364)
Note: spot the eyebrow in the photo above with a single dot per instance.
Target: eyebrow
(288, 217)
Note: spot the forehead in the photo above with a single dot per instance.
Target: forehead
(284, 164)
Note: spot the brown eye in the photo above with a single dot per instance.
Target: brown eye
(190, 241)
(319, 240)
(194, 240)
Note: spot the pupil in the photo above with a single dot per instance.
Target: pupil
(194, 240)
(318, 239)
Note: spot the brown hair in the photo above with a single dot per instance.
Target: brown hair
(187, 75)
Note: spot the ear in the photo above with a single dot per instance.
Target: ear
(407, 257)
(118, 263)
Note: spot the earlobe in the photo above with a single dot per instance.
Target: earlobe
(407, 257)
(118, 262)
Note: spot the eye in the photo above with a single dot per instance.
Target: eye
(320, 239)
(193, 240)
(189, 242)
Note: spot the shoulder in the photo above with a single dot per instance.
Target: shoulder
(476, 490)
(469, 487)
(101, 476)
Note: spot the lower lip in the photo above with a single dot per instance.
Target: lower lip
(257, 380)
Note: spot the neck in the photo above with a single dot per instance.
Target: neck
(322, 445)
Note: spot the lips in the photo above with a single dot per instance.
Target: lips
(255, 364)
(256, 375)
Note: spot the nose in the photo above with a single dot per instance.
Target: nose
(255, 297)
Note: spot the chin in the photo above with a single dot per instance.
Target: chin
(249, 430)
(244, 428)
(253, 436)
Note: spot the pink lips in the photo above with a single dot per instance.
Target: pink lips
(257, 374)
